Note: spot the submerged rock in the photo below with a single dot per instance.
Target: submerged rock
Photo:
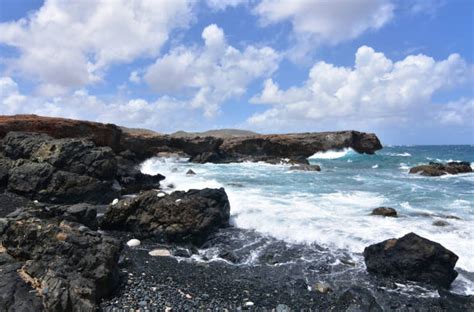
(440, 223)
(384, 211)
(306, 168)
(190, 172)
(178, 217)
(434, 169)
(414, 258)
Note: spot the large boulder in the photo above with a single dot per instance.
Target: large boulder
(179, 217)
(384, 211)
(414, 258)
(69, 266)
(434, 169)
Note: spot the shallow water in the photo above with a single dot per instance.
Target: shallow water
(331, 208)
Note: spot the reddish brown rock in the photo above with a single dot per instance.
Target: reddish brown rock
(58, 128)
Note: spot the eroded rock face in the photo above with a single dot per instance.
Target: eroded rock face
(101, 134)
(179, 217)
(69, 266)
(68, 170)
(437, 169)
(414, 258)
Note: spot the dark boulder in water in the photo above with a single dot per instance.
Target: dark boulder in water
(67, 265)
(190, 172)
(179, 217)
(306, 168)
(434, 169)
(414, 258)
(384, 211)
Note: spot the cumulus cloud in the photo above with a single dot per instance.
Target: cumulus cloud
(163, 114)
(212, 73)
(374, 89)
(457, 113)
(330, 21)
(71, 43)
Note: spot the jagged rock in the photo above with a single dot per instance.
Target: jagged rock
(179, 217)
(68, 265)
(69, 170)
(9, 202)
(190, 172)
(306, 168)
(414, 258)
(384, 211)
(357, 299)
(437, 169)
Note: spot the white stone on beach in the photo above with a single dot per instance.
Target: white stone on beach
(115, 202)
(160, 253)
(133, 243)
(161, 194)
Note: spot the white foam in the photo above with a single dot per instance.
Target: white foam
(404, 166)
(332, 154)
(375, 166)
(405, 154)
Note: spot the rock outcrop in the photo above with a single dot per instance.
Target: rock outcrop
(101, 134)
(70, 170)
(434, 169)
(304, 167)
(178, 217)
(55, 264)
(414, 258)
(216, 149)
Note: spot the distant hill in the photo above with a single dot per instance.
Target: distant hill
(219, 133)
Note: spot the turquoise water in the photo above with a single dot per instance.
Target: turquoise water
(332, 207)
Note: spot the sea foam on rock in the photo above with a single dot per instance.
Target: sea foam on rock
(178, 217)
(414, 258)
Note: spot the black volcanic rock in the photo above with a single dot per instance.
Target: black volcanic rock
(414, 258)
(179, 217)
(69, 170)
(69, 266)
(384, 211)
(434, 169)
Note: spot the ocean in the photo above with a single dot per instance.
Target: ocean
(331, 208)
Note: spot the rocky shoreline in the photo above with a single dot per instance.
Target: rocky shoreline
(72, 197)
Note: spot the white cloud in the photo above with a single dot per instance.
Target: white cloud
(224, 4)
(71, 43)
(213, 73)
(330, 21)
(458, 113)
(376, 89)
(10, 98)
(134, 77)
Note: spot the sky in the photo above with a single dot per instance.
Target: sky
(402, 69)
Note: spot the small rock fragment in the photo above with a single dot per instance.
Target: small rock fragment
(190, 172)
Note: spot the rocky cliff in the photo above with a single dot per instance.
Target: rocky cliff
(270, 148)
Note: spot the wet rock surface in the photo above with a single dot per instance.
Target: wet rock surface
(277, 280)
(178, 217)
(384, 211)
(412, 257)
(306, 168)
(434, 169)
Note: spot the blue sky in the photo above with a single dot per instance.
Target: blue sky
(402, 69)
